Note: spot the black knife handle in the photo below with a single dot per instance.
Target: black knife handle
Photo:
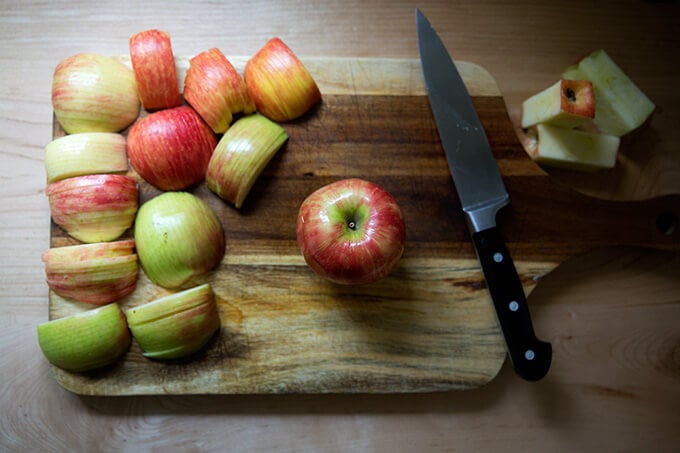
(530, 356)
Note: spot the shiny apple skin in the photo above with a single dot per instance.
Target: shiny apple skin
(153, 64)
(279, 83)
(342, 254)
(171, 148)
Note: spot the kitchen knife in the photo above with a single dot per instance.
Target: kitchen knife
(482, 193)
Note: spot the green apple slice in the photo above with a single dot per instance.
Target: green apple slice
(85, 341)
(621, 104)
(176, 325)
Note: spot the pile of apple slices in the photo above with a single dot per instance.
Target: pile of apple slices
(94, 197)
(577, 122)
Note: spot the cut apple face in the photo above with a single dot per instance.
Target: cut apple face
(567, 103)
(85, 341)
(176, 325)
(621, 105)
(92, 273)
(574, 149)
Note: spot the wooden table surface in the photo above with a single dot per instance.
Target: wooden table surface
(613, 316)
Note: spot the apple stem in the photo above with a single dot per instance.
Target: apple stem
(352, 225)
(570, 95)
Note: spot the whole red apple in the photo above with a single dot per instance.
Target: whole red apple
(153, 64)
(171, 148)
(351, 231)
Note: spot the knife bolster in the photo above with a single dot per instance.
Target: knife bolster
(482, 216)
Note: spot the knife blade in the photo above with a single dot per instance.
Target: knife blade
(482, 194)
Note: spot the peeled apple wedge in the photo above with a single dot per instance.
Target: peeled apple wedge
(621, 105)
(567, 103)
(574, 149)
(85, 341)
(176, 325)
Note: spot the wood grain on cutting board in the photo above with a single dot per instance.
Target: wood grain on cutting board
(430, 325)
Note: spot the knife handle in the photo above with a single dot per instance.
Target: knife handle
(530, 357)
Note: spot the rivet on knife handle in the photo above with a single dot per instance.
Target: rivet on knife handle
(530, 356)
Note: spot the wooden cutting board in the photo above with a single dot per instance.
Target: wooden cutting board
(429, 326)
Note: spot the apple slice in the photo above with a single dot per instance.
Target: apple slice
(216, 90)
(94, 208)
(86, 153)
(278, 82)
(176, 325)
(85, 341)
(171, 148)
(567, 103)
(241, 155)
(96, 274)
(94, 93)
(574, 149)
(621, 105)
(153, 64)
(178, 236)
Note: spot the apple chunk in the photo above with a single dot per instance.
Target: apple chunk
(241, 155)
(153, 64)
(178, 236)
(85, 341)
(94, 208)
(278, 82)
(571, 148)
(97, 274)
(567, 103)
(176, 325)
(94, 93)
(216, 90)
(171, 148)
(86, 153)
(621, 104)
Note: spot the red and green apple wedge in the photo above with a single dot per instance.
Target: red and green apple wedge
(86, 153)
(94, 93)
(241, 155)
(216, 90)
(153, 64)
(175, 325)
(86, 341)
(96, 274)
(94, 208)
